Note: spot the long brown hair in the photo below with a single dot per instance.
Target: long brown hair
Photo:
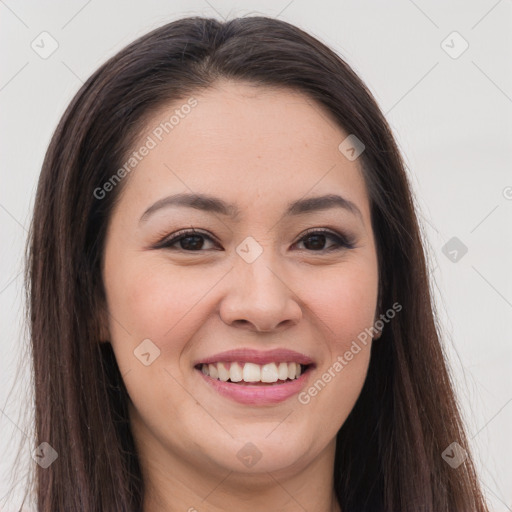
(389, 450)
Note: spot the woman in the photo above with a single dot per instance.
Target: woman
(229, 301)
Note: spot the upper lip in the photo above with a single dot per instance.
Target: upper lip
(247, 355)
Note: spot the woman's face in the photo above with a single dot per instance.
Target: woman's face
(273, 275)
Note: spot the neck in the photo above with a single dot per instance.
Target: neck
(234, 493)
(244, 493)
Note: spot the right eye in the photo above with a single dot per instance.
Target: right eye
(190, 240)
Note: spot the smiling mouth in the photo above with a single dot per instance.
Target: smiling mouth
(271, 374)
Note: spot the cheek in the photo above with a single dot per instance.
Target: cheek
(155, 300)
(347, 310)
(344, 306)
(344, 303)
(147, 297)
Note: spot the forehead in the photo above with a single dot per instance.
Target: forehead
(244, 143)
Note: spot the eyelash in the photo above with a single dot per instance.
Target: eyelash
(341, 241)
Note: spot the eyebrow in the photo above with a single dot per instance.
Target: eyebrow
(213, 204)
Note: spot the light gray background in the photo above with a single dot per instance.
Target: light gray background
(452, 118)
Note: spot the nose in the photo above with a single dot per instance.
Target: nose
(260, 299)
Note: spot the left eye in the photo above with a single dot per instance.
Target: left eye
(318, 238)
(193, 241)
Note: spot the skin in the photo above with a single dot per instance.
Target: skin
(259, 148)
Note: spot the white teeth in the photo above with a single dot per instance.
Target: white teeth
(212, 370)
(291, 370)
(252, 372)
(223, 372)
(235, 372)
(269, 373)
(282, 371)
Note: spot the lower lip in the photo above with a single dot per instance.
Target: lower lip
(258, 394)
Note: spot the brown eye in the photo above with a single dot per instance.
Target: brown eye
(191, 243)
(194, 241)
(316, 240)
(188, 240)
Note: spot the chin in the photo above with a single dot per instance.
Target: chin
(260, 450)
